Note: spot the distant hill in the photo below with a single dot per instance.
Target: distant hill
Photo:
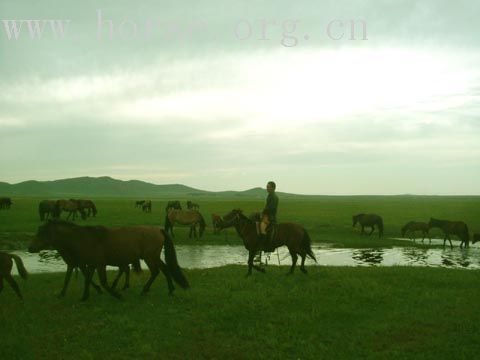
(105, 186)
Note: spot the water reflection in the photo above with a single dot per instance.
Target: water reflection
(200, 257)
(368, 256)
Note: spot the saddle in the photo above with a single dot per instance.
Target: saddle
(269, 238)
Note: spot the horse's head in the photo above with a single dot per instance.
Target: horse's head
(44, 237)
(231, 218)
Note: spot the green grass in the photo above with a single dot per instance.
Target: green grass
(332, 313)
(328, 219)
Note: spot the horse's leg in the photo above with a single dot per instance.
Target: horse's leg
(121, 270)
(302, 266)
(251, 256)
(154, 271)
(126, 270)
(373, 228)
(102, 275)
(13, 284)
(66, 281)
(164, 269)
(1, 283)
(88, 274)
(294, 256)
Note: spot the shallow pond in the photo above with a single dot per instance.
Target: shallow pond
(207, 256)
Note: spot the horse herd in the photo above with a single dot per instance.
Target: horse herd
(92, 248)
(449, 228)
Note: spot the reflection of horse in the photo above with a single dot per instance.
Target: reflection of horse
(6, 265)
(95, 247)
(295, 237)
(184, 217)
(174, 204)
(369, 220)
(368, 256)
(87, 206)
(71, 207)
(147, 206)
(47, 208)
(5, 203)
(458, 228)
(412, 226)
(192, 205)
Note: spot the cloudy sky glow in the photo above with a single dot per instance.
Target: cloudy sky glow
(397, 113)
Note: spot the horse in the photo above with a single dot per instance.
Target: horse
(369, 220)
(476, 237)
(88, 206)
(5, 203)
(295, 237)
(448, 227)
(174, 204)
(139, 203)
(6, 265)
(95, 247)
(412, 226)
(185, 217)
(48, 208)
(217, 222)
(192, 205)
(147, 206)
(71, 207)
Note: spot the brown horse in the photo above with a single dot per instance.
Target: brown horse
(6, 265)
(295, 237)
(147, 206)
(95, 247)
(369, 220)
(71, 207)
(47, 208)
(412, 226)
(87, 206)
(458, 228)
(185, 217)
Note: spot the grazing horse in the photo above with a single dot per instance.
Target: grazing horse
(184, 217)
(48, 208)
(139, 203)
(71, 207)
(174, 204)
(295, 237)
(6, 265)
(458, 228)
(5, 203)
(192, 205)
(412, 226)
(369, 220)
(87, 206)
(95, 247)
(147, 206)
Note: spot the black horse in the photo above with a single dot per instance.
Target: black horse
(48, 208)
(369, 220)
(5, 203)
(448, 227)
(174, 204)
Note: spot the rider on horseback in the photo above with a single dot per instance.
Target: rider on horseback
(269, 218)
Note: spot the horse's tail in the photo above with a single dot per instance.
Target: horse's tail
(168, 224)
(172, 263)
(136, 266)
(202, 224)
(306, 245)
(380, 227)
(20, 267)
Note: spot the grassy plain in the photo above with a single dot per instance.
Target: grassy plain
(331, 313)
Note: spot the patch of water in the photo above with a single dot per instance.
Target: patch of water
(208, 256)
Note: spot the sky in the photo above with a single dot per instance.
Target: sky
(227, 95)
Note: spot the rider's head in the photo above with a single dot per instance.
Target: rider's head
(271, 186)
